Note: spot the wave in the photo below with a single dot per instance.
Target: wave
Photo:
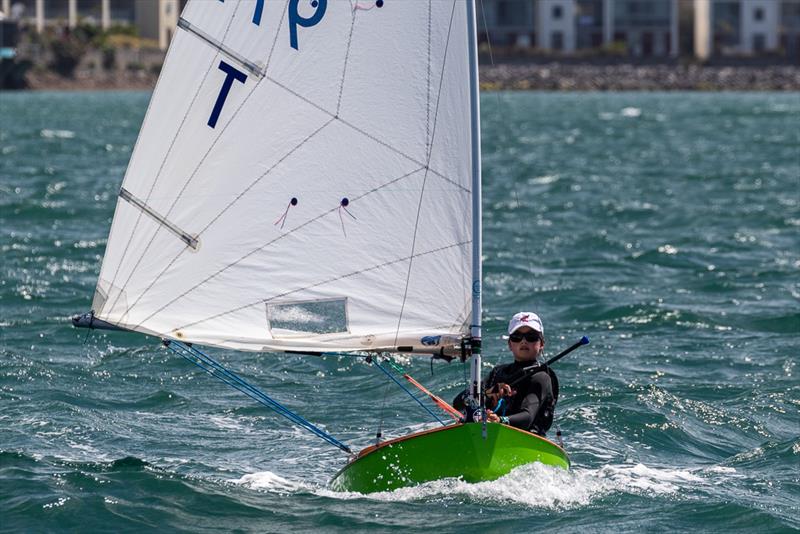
(530, 486)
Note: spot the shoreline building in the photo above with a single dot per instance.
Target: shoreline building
(645, 28)
(638, 28)
(154, 19)
(789, 29)
(507, 23)
(746, 27)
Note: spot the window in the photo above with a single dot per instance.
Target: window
(758, 14)
(558, 12)
(287, 319)
(557, 40)
(759, 42)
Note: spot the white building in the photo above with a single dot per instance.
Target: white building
(508, 22)
(746, 27)
(643, 27)
(154, 19)
(789, 29)
(555, 28)
(646, 27)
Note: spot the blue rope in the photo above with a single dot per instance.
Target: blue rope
(230, 378)
(387, 373)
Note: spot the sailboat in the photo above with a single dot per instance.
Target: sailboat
(307, 180)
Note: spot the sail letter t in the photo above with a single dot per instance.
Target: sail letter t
(232, 73)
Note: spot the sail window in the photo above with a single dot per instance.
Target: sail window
(326, 316)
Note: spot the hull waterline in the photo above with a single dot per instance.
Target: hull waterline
(458, 451)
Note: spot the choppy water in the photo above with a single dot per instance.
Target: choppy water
(664, 226)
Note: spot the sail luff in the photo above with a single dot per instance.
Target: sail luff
(474, 392)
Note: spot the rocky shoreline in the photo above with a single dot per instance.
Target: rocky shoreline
(558, 76)
(542, 76)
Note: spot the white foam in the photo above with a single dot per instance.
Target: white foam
(56, 504)
(631, 112)
(530, 486)
(57, 134)
(226, 423)
(271, 482)
(721, 469)
(544, 180)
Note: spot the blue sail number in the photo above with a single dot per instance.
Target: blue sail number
(306, 22)
(231, 74)
(257, 13)
(295, 19)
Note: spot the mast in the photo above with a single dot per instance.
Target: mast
(475, 134)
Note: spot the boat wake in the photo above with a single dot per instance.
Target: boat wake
(272, 483)
(530, 486)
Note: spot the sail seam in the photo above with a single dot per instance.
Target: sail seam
(134, 201)
(169, 265)
(257, 180)
(425, 179)
(410, 158)
(150, 193)
(368, 135)
(180, 253)
(241, 110)
(428, 103)
(133, 155)
(346, 59)
(189, 179)
(178, 197)
(275, 39)
(221, 213)
(253, 68)
(259, 249)
(323, 282)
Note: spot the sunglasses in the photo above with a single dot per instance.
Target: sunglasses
(530, 337)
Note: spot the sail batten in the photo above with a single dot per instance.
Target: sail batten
(185, 237)
(328, 184)
(250, 66)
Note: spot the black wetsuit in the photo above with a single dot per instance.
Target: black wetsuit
(532, 407)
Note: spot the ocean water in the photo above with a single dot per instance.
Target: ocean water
(666, 227)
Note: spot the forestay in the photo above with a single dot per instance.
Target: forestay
(302, 180)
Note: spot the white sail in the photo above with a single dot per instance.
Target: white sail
(303, 180)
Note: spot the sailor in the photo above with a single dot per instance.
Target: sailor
(522, 393)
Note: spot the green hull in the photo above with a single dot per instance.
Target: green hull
(453, 451)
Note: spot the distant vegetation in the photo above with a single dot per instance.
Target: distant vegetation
(82, 58)
(65, 48)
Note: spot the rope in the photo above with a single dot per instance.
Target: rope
(441, 403)
(396, 381)
(379, 433)
(230, 378)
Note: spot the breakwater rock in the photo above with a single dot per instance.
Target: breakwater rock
(531, 75)
(560, 76)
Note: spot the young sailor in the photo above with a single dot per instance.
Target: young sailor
(522, 393)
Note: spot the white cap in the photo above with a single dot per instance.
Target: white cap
(525, 319)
